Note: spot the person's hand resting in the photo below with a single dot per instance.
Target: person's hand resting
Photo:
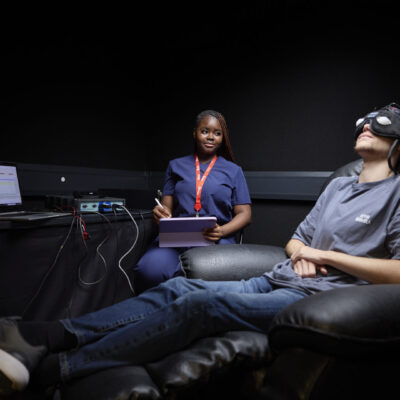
(213, 234)
(306, 262)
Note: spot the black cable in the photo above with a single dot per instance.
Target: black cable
(394, 145)
(79, 221)
(36, 294)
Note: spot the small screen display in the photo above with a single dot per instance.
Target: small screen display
(9, 187)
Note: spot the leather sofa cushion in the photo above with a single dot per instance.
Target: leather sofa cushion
(230, 261)
(207, 355)
(177, 372)
(121, 383)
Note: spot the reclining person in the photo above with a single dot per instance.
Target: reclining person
(350, 237)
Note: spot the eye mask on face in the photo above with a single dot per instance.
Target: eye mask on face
(383, 122)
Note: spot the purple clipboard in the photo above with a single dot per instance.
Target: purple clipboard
(184, 232)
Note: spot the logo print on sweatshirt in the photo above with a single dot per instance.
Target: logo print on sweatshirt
(364, 218)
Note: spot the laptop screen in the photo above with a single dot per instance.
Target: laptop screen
(10, 194)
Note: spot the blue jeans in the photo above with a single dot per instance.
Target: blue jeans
(167, 318)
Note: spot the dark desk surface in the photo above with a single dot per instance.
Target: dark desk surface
(48, 271)
(89, 217)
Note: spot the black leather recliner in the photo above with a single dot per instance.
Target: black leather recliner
(230, 365)
(340, 344)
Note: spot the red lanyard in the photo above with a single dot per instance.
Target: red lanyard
(200, 182)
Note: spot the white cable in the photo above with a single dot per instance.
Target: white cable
(82, 226)
(131, 248)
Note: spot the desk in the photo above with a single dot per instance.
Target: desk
(41, 279)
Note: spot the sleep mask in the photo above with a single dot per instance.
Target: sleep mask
(383, 122)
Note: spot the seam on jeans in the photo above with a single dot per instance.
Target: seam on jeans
(120, 322)
(81, 334)
(65, 367)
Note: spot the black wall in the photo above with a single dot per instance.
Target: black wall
(118, 87)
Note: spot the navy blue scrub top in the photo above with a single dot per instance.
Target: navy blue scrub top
(224, 188)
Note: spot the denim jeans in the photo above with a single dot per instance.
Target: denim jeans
(167, 318)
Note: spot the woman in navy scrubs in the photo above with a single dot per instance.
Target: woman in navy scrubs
(221, 192)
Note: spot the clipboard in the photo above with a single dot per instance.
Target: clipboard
(184, 231)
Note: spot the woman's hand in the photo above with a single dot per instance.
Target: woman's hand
(161, 212)
(213, 234)
(241, 218)
(164, 211)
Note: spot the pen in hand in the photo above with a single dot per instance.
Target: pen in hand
(164, 210)
(158, 202)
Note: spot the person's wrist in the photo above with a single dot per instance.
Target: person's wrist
(325, 257)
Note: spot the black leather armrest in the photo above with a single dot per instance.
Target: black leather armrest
(230, 261)
(353, 321)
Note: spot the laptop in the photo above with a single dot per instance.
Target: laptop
(184, 232)
(11, 208)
